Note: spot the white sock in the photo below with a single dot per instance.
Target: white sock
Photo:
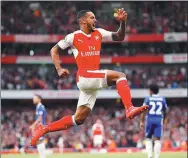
(149, 147)
(157, 148)
(41, 149)
(61, 148)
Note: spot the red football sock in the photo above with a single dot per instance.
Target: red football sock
(124, 92)
(62, 124)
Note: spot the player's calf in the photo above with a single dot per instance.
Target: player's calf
(122, 86)
(123, 90)
(66, 122)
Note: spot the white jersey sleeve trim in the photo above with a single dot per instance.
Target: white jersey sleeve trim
(66, 42)
(106, 35)
(40, 112)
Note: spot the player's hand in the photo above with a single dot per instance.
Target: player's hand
(63, 72)
(121, 15)
(141, 125)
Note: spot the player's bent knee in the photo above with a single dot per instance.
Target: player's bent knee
(121, 74)
(81, 114)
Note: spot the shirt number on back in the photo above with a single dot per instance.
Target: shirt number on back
(156, 108)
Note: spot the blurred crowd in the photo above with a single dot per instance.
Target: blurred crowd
(111, 49)
(60, 18)
(57, 17)
(21, 77)
(15, 123)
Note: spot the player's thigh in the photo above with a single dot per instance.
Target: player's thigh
(113, 76)
(92, 80)
(85, 104)
(158, 132)
(149, 129)
(87, 99)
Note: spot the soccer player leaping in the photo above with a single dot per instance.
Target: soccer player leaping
(86, 45)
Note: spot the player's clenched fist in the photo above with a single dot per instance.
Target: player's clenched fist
(121, 15)
(62, 72)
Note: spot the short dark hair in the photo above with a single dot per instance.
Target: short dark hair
(82, 13)
(39, 96)
(154, 88)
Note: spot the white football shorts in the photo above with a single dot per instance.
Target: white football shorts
(97, 140)
(89, 83)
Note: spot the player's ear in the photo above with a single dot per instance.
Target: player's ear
(83, 20)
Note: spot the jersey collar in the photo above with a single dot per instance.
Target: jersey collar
(155, 95)
(85, 33)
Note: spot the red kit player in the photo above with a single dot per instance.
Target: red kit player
(97, 134)
(86, 45)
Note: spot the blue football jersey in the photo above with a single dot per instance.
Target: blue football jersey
(154, 117)
(157, 107)
(40, 110)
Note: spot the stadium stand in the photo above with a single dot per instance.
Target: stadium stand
(57, 17)
(125, 133)
(21, 77)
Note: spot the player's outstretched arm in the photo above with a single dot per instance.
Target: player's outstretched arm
(121, 16)
(56, 60)
(55, 56)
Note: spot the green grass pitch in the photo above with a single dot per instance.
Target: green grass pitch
(109, 155)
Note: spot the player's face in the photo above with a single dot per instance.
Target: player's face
(36, 100)
(90, 21)
(98, 121)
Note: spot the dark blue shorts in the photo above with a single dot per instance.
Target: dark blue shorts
(153, 129)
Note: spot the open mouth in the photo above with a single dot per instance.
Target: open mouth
(93, 25)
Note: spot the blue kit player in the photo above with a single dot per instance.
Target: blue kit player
(39, 119)
(153, 120)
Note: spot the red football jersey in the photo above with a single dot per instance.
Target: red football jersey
(97, 129)
(86, 48)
